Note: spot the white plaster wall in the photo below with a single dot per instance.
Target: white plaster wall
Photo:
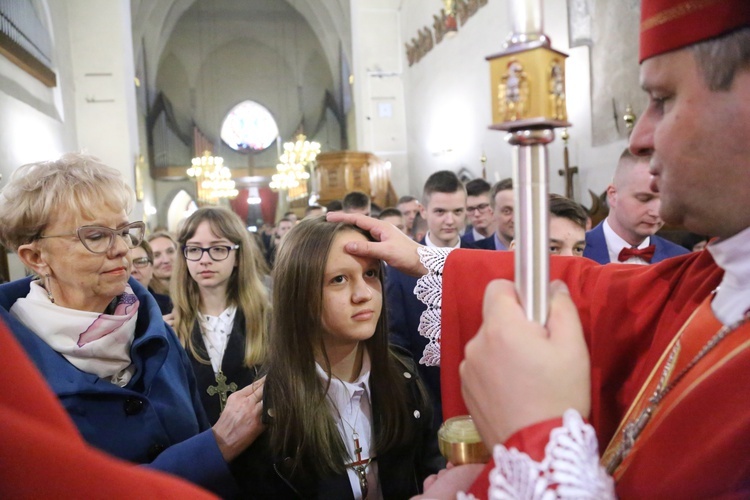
(379, 85)
(39, 123)
(33, 117)
(447, 97)
(104, 78)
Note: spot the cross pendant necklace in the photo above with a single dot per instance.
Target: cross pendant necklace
(360, 465)
(222, 389)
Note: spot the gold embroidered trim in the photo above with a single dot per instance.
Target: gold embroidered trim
(676, 12)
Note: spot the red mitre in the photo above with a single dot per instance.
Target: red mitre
(673, 24)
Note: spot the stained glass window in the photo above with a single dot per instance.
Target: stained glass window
(249, 126)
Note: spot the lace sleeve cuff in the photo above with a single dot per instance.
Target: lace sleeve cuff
(570, 467)
(429, 291)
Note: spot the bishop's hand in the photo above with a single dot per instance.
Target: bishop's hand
(391, 245)
(517, 372)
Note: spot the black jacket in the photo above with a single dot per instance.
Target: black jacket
(401, 471)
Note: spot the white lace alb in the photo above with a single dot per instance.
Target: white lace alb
(570, 467)
(429, 291)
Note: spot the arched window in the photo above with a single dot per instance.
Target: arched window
(249, 126)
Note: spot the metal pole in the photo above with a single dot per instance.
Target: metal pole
(528, 99)
(526, 23)
(531, 188)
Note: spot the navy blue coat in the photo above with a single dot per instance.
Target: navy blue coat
(596, 247)
(156, 419)
(485, 244)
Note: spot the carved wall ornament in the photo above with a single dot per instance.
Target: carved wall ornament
(411, 51)
(442, 24)
(419, 46)
(438, 25)
(467, 8)
(425, 41)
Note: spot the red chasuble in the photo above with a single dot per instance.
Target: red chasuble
(701, 445)
(42, 455)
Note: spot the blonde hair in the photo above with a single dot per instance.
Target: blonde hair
(74, 183)
(157, 284)
(245, 288)
(162, 234)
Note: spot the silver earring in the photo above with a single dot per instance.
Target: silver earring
(49, 290)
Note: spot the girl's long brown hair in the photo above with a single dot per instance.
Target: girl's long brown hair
(302, 427)
(245, 288)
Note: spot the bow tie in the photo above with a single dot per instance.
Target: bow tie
(646, 253)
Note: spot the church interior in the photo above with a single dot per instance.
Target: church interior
(385, 93)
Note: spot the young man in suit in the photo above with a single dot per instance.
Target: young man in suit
(478, 211)
(443, 207)
(628, 233)
(409, 207)
(356, 202)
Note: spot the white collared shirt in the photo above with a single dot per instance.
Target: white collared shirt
(428, 242)
(733, 296)
(216, 331)
(353, 413)
(615, 244)
(477, 235)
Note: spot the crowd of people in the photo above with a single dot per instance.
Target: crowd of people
(318, 359)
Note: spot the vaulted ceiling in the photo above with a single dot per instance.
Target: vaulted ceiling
(155, 20)
(205, 56)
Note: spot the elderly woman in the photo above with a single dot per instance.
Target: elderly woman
(142, 257)
(98, 337)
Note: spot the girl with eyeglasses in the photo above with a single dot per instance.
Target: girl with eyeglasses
(221, 306)
(348, 416)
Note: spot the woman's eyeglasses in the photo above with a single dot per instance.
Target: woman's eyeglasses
(99, 239)
(218, 252)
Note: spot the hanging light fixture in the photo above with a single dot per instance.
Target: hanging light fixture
(213, 181)
(291, 170)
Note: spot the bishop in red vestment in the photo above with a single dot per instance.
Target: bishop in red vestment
(658, 358)
(669, 359)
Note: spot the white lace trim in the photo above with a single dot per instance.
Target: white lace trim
(463, 496)
(570, 468)
(429, 291)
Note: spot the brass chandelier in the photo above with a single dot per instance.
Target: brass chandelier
(213, 181)
(291, 170)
